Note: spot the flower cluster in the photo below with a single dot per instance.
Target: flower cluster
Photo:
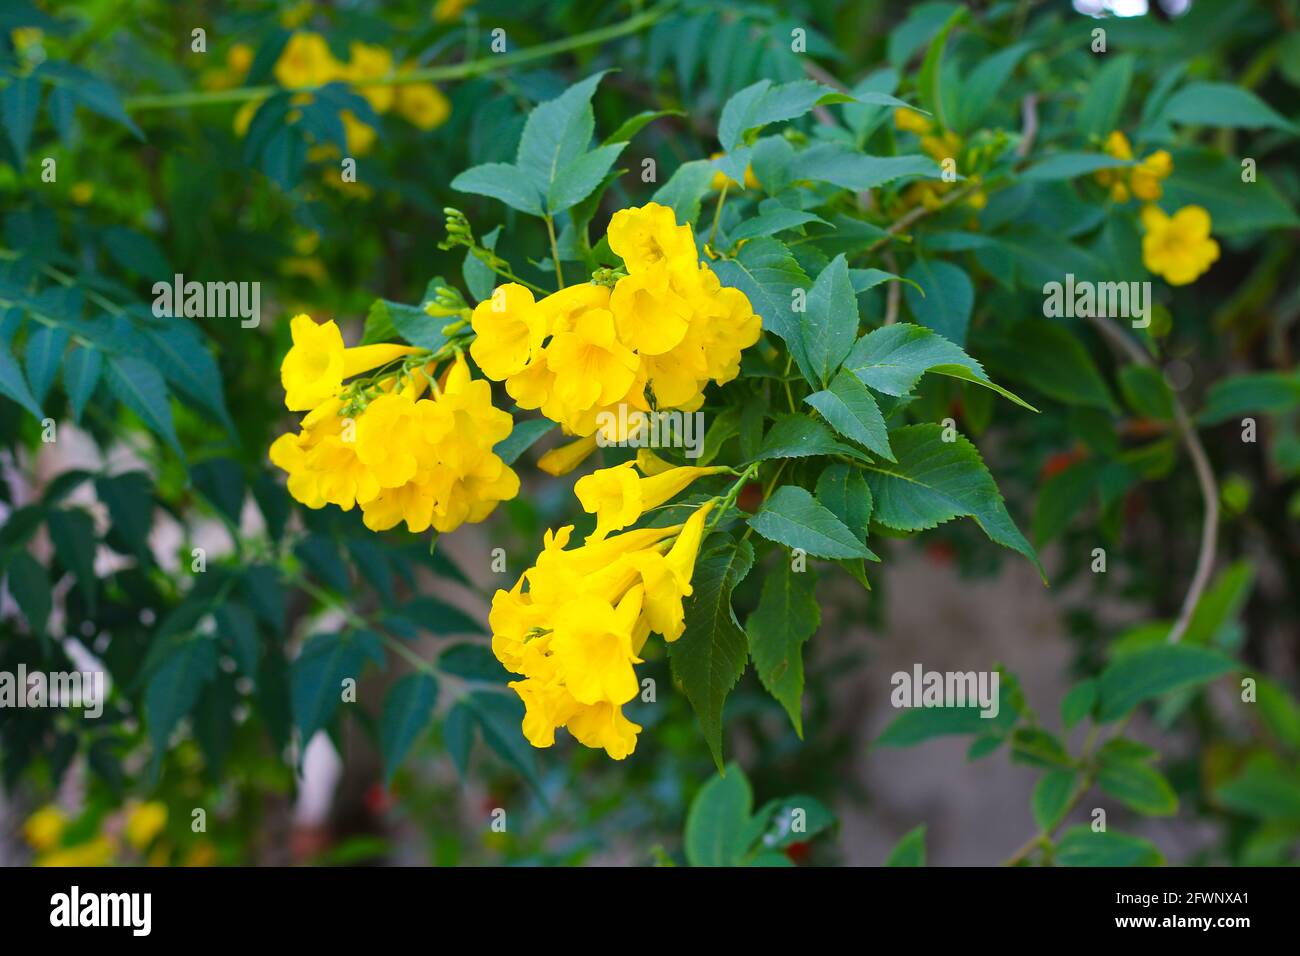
(938, 146)
(577, 631)
(379, 444)
(1177, 247)
(307, 62)
(661, 334)
(1141, 181)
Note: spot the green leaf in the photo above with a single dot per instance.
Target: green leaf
(762, 103)
(181, 353)
(685, 188)
(12, 383)
(80, 376)
(44, 355)
(829, 325)
(472, 662)
(942, 297)
(73, 534)
(717, 823)
(236, 624)
(19, 103)
(846, 168)
(798, 436)
(408, 709)
(1270, 392)
(1206, 177)
(411, 322)
(501, 181)
(929, 79)
(88, 90)
(1266, 789)
(934, 481)
(1078, 702)
(710, 656)
(1080, 846)
(1051, 795)
(1071, 166)
(129, 499)
(1047, 357)
(845, 492)
(1062, 497)
(910, 850)
(499, 718)
(918, 724)
(178, 677)
(140, 388)
(791, 516)
(635, 124)
(522, 437)
(557, 132)
(892, 359)
(768, 274)
(772, 219)
(786, 616)
(851, 410)
(576, 181)
(316, 679)
(221, 481)
(1138, 786)
(29, 583)
(1038, 748)
(1152, 671)
(1223, 104)
(980, 88)
(321, 556)
(1104, 102)
(1145, 391)
(458, 735)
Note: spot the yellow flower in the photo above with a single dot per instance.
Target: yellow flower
(314, 369)
(96, 852)
(591, 366)
(721, 179)
(667, 578)
(82, 193)
(643, 237)
(1178, 247)
(509, 331)
(592, 646)
(1141, 181)
(618, 496)
(368, 62)
(145, 821)
(360, 136)
(910, 121)
(244, 116)
(44, 828)
(652, 315)
(603, 725)
(423, 105)
(562, 460)
(390, 433)
(306, 61)
(445, 10)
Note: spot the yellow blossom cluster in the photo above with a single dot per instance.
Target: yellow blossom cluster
(661, 334)
(938, 146)
(48, 832)
(308, 62)
(576, 633)
(1178, 247)
(1141, 181)
(379, 444)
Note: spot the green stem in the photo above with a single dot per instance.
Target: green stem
(432, 74)
(555, 252)
(717, 212)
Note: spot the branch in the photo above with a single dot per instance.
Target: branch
(432, 74)
(1204, 477)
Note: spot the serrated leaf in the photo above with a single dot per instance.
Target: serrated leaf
(81, 371)
(12, 383)
(1078, 702)
(129, 499)
(710, 656)
(761, 104)
(1223, 104)
(798, 436)
(829, 324)
(847, 168)
(19, 103)
(768, 274)
(786, 616)
(317, 676)
(1082, 846)
(44, 355)
(851, 410)
(174, 686)
(576, 181)
(501, 181)
(1104, 102)
(140, 388)
(73, 534)
(499, 719)
(892, 358)
(934, 481)
(941, 298)
(29, 583)
(909, 850)
(791, 516)
(1138, 786)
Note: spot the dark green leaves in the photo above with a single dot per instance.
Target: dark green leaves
(407, 712)
(717, 824)
(944, 299)
(1152, 671)
(934, 481)
(791, 516)
(851, 410)
(140, 388)
(710, 655)
(829, 325)
(762, 103)
(1081, 846)
(786, 616)
(893, 357)
(1223, 104)
(909, 850)
(1051, 795)
(178, 676)
(768, 274)
(318, 673)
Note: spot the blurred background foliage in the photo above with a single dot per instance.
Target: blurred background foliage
(162, 166)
